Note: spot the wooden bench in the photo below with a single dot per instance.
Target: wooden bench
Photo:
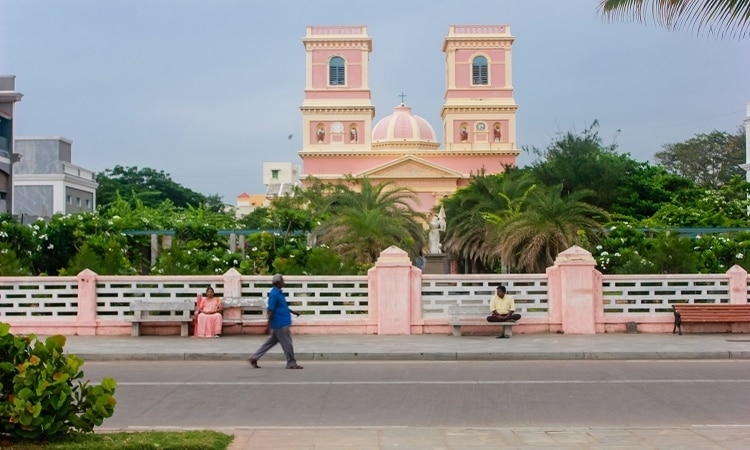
(709, 313)
(474, 315)
(161, 311)
(244, 310)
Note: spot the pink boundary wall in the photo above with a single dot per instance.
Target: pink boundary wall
(575, 304)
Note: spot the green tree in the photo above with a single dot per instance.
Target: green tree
(150, 186)
(718, 17)
(530, 240)
(647, 188)
(582, 161)
(709, 160)
(367, 218)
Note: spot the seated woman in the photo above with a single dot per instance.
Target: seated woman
(208, 315)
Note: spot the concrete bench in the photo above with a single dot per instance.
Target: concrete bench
(709, 313)
(161, 311)
(244, 310)
(474, 315)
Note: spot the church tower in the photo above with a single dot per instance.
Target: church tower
(337, 111)
(479, 112)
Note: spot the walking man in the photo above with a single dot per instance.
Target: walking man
(502, 308)
(279, 324)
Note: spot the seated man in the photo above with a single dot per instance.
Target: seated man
(502, 308)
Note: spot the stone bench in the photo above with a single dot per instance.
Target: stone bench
(474, 315)
(709, 313)
(161, 311)
(244, 310)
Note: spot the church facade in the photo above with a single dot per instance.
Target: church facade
(478, 114)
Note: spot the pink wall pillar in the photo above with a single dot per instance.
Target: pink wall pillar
(737, 285)
(575, 292)
(86, 317)
(232, 288)
(394, 296)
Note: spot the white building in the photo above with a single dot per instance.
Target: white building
(280, 178)
(45, 182)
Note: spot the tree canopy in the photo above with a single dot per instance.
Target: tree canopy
(710, 160)
(149, 186)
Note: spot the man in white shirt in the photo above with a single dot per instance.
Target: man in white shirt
(502, 308)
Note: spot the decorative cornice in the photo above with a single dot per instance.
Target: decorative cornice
(370, 153)
(338, 44)
(479, 43)
(423, 145)
(310, 110)
(477, 109)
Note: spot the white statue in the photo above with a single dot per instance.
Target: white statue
(436, 226)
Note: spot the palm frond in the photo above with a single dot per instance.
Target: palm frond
(715, 17)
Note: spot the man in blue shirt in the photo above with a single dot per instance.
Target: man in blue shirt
(279, 323)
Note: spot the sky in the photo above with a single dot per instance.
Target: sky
(208, 91)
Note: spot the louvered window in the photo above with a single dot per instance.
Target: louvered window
(479, 71)
(336, 71)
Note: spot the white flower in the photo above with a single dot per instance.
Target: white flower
(605, 253)
(598, 247)
(50, 247)
(255, 249)
(739, 256)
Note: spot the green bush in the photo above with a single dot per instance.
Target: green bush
(41, 392)
(10, 264)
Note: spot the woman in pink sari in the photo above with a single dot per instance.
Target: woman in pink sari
(208, 315)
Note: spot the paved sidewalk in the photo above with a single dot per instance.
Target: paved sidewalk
(377, 438)
(419, 347)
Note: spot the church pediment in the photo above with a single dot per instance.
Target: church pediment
(410, 167)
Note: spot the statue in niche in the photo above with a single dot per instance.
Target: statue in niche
(497, 133)
(464, 134)
(436, 226)
(353, 134)
(321, 133)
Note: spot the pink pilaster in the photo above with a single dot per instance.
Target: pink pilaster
(737, 285)
(390, 291)
(232, 288)
(579, 298)
(86, 317)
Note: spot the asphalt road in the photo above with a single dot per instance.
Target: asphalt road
(206, 394)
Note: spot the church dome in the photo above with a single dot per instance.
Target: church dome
(403, 128)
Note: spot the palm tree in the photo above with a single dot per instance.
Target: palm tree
(468, 235)
(551, 223)
(719, 17)
(364, 222)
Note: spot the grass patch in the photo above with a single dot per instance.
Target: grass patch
(161, 440)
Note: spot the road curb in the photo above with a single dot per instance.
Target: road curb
(422, 356)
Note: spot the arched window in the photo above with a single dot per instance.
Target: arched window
(336, 71)
(479, 71)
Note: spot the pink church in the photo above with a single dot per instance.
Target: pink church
(479, 114)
